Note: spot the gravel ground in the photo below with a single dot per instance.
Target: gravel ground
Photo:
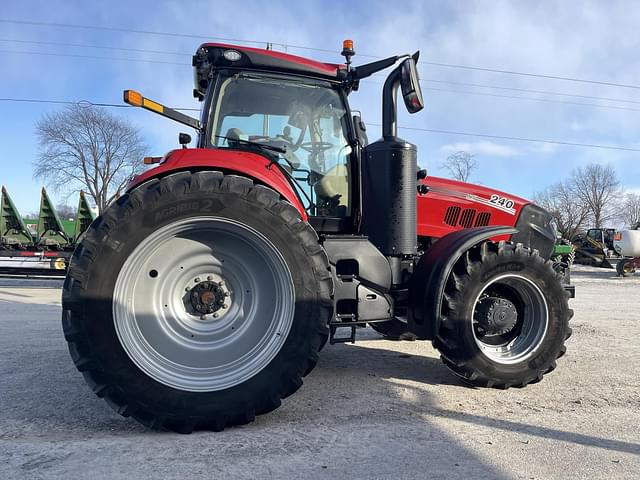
(376, 409)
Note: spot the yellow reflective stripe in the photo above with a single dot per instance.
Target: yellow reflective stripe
(151, 105)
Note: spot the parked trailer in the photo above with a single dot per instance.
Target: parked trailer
(629, 242)
(43, 245)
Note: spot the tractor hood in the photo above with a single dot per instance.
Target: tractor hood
(451, 205)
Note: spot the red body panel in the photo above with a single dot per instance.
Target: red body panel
(478, 206)
(436, 210)
(329, 69)
(248, 164)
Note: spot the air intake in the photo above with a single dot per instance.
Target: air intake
(456, 217)
(466, 220)
(482, 220)
(452, 215)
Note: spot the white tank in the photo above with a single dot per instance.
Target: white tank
(630, 243)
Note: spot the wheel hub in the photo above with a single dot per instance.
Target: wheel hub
(496, 316)
(207, 297)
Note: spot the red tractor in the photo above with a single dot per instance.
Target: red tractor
(203, 295)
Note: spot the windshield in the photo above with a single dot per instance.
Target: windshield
(307, 120)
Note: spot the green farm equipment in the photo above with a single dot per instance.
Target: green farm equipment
(40, 245)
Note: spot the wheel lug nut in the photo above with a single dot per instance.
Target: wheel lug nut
(224, 305)
(215, 315)
(209, 278)
(226, 294)
(197, 280)
(203, 317)
(186, 289)
(221, 284)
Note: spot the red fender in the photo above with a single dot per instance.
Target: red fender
(248, 164)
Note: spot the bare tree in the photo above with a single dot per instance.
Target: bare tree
(566, 207)
(598, 188)
(460, 165)
(631, 210)
(88, 148)
(65, 211)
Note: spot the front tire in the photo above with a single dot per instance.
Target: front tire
(197, 302)
(505, 317)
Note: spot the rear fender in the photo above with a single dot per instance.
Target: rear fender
(248, 164)
(432, 271)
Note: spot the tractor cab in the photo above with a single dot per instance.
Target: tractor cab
(295, 111)
(303, 126)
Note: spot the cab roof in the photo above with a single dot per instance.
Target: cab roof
(210, 55)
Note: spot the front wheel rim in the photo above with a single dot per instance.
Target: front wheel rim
(525, 338)
(223, 344)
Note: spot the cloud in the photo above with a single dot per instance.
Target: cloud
(481, 148)
(577, 126)
(547, 148)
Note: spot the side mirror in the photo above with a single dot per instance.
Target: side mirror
(184, 139)
(361, 130)
(410, 85)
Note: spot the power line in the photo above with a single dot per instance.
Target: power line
(544, 100)
(419, 129)
(528, 74)
(158, 33)
(518, 139)
(424, 80)
(82, 103)
(302, 47)
(94, 57)
(527, 90)
(514, 97)
(85, 45)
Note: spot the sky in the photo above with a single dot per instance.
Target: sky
(590, 40)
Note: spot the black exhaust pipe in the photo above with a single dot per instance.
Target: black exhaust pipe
(390, 104)
(389, 169)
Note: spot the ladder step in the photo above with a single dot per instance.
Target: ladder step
(350, 339)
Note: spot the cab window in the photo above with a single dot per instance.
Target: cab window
(307, 120)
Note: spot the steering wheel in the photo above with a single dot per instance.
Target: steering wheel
(316, 147)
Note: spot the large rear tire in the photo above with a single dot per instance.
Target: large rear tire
(197, 302)
(505, 317)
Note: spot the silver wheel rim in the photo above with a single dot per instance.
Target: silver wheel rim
(532, 323)
(167, 339)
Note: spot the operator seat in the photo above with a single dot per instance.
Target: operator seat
(335, 185)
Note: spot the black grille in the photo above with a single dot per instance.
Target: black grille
(466, 220)
(482, 220)
(451, 216)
